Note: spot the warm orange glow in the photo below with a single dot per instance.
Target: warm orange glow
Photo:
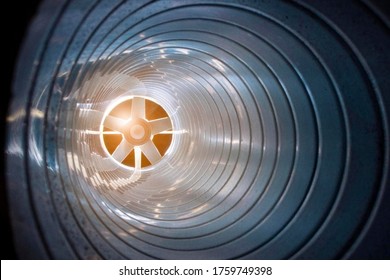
(152, 111)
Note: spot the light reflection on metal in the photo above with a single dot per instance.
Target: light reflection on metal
(267, 145)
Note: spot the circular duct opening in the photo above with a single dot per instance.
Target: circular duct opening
(136, 132)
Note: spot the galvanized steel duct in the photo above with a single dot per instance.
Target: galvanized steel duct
(280, 144)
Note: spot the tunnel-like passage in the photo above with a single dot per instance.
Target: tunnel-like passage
(199, 130)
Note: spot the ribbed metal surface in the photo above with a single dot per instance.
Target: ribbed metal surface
(280, 143)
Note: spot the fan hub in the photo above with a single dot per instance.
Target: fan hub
(138, 132)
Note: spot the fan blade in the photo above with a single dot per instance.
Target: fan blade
(137, 158)
(160, 125)
(151, 152)
(122, 151)
(138, 108)
(114, 123)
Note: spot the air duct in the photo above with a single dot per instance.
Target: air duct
(199, 130)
